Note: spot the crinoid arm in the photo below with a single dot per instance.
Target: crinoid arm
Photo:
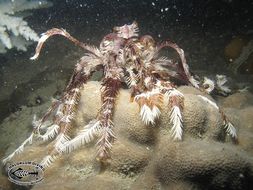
(37, 125)
(110, 89)
(175, 103)
(19, 149)
(149, 103)
(61, 116)
(221, 87)
(84, 136)
(67, 111)
(101, 127)
(184, 65)
(57, 121)
(228, 126)
(62, 32)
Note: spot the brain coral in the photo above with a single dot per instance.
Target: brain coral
(146, 157)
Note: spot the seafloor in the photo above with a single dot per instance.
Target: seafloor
(142, 158)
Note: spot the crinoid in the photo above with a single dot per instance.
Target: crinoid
(126, 59)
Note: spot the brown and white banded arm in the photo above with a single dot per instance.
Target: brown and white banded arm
(62, 32)
(185, 66)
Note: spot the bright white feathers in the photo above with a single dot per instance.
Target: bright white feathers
(148, 115)
(51, 132)
(86, 135)
(174, 98)
(230, 129)
(177, 123)
(149, 102)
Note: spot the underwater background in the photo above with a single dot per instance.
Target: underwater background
(217, 37)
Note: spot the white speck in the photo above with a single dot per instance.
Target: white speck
(161, 10)
(40, 2)
(166, 9)
(153, 3)
(159, 35)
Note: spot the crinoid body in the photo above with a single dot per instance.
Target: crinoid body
(126, 59)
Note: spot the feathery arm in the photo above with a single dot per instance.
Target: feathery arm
(185, 67)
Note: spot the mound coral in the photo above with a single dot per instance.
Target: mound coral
(145, 157)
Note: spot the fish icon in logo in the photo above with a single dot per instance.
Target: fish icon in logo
(20, 173)
(25, 173)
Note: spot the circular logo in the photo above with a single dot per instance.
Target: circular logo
(25, 173)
